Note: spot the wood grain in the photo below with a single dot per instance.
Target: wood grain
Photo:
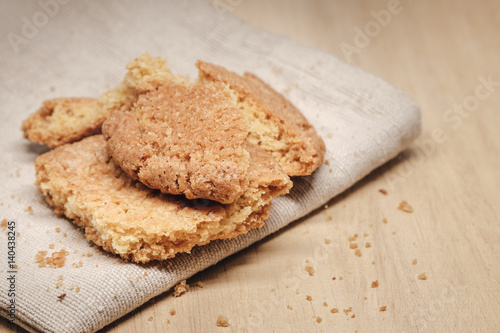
(440, 53)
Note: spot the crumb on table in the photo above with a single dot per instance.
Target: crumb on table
(310, 270)
(422, 276)
(222, 321)
(405, 207)
(375, 284)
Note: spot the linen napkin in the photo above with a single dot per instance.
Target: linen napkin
(56, 48)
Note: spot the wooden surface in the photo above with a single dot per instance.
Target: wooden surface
(440, 53)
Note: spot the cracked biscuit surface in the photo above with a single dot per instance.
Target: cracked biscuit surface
(274, 123)
(125, 217)
(183, 139)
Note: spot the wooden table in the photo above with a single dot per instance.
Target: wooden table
(446, 55)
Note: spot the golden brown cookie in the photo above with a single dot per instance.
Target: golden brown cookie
(275, 124)
(125, 217)
(183, 139)
(65, 120)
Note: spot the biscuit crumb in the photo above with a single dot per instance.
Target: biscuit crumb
(327, 241)
(341, 278)
(61, 297)
(181, 288)
(368, 244)
(51, 246)
(329, 218)
(353, 316)
(222, 321)
(327, 162)
(309, 298)
(334, 310)
(150, 319)
(405, 207)
(77, 289)
(375, 284)
(422, 276)
(352, 238)
(29, 210)
(334, 278)
(319, 319)
(358, 253)
(383, 308)
(59, 282)
(353, 246)
(172, 312)
(56, 260)
(384, 220)
(325, 304)
(79, 264)
(414, 262)
(289, 307)
(200, 284)
(310, 270)
(58, 229)
(346, 311)
(3, 224)
(384, 192)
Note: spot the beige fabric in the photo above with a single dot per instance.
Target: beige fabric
(81, 50)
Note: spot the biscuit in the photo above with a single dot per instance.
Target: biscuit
(183, 139)
(65, 120)
(125, 217)
(275, 124)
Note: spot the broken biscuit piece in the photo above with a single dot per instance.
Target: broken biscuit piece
(275, 124)
(65, 120)
(183, 139)
(125, 217)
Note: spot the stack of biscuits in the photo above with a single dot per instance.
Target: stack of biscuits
(159, 164)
